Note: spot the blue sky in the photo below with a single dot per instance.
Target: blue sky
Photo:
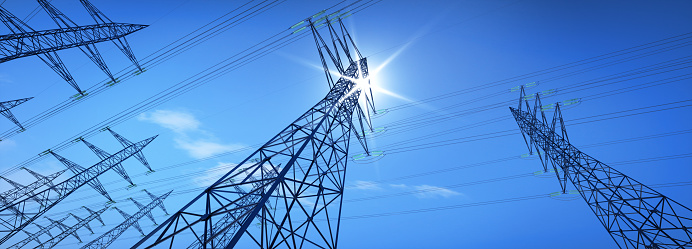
(425, 49)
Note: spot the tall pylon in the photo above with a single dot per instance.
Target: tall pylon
(293, 191)
(5, 107)
(12, 223)
(25, 41)
(635, 215)
(107, 238)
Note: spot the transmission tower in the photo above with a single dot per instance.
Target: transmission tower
(7, 105)
(82, 222)
(293, 192)
(12, 223)
(35, 236)
(636, 216)
(25, 41)
(106, 239)
(10, 196)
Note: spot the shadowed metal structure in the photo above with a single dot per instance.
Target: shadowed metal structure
(636, 216)
(288, 193)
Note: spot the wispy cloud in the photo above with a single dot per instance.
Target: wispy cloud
(202, 149)
(213, 174)
(179, 122)
(365, 185)
(197, 142)
(428, 191)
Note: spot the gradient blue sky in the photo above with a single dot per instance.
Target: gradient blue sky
(432, 48)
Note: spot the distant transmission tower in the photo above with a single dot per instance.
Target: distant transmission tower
(288, 193)
(35, 205)
(635, 215)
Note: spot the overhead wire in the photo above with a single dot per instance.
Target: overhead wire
(146, 105)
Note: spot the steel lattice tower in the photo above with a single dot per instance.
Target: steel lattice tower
(636, 216)
(107, 238)
(291, 195)
(11, 222)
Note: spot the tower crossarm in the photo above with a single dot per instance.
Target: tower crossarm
(636, 216)
(14, 46)
(106, 239)
(54, 195)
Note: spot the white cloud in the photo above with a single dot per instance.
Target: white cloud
(201, 148)
(427, 191)
(365, 185)
(7, 144)
(398, 185)
(185, 125)
(179, 122)
(213, 174)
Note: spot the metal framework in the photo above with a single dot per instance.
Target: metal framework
(76, 169)
(291, 195)
(125, 142)
(71, 230)
(122, 43)
(64, 22)
(103, 155)
(7, 105)
(127, 217)
(10, 196)
(636, 216)
(35, 236)
(106, 239)
(98, 217)
(25, 41)
(31, 210)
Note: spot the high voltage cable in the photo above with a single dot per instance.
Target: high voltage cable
(420, 122)
(649, 45)
(448, 207)
(668, 106)
(678, 156)
(93, 90)
(484, 136)
(561, 91)
(56, 149)
(132, 111)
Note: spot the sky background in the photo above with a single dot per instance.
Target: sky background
(416, 195)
